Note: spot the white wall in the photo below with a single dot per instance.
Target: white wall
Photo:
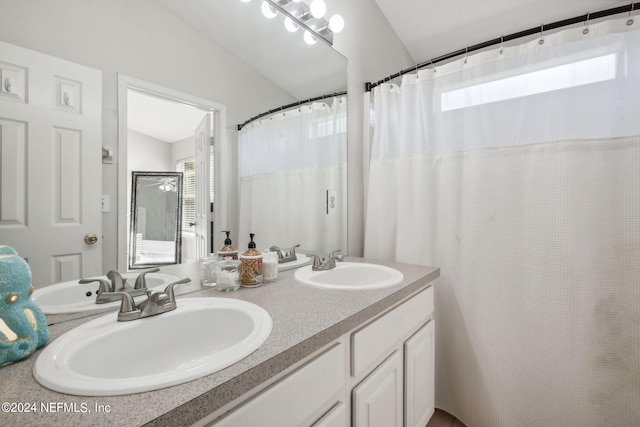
(140, 39)
(183, 149)
(148, 154)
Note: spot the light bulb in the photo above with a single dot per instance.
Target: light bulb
(245, 1)
(318, 8)
(309, 38)
(268, 11)
(290, 25)
(336, 23)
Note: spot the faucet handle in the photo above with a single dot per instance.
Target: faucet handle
(317, 260)
(292, 252)
(169, 289)
(278, 251)
(333, 254)
(118, 284)
(127, 307)
(141, 281)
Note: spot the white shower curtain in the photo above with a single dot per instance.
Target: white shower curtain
(286, 165)
(517, 172)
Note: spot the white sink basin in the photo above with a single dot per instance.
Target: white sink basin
(74, 297)
(350, 276)
(105, 357)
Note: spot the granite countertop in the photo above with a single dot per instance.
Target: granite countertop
(304, 320)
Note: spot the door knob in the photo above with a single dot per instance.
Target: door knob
(90, 238)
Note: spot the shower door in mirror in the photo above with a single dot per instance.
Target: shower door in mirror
(156, 219)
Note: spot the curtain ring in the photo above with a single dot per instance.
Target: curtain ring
(586, 25)
(630, 20)
(466, 52)
(541, 41)
(501, 51)
(433, 67)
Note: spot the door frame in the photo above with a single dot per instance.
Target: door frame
(219, 134)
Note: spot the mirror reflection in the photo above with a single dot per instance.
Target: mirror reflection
(156, 219)
(223, 51)
(292, 177)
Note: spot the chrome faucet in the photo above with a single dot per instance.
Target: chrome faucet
(327, 263)
(287, 256)
(119, 284)
(156, 303)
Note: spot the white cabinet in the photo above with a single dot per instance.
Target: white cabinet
(380, 375)
(393, 366)
(419, 362)
(377, 401)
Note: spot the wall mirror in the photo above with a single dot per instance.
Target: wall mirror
(291, 165)
(222, 51)
(156, 219)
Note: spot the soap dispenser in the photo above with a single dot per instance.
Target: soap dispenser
(251, 266)
(228, 251)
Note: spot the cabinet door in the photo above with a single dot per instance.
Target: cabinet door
(377, 401)
(420, 377)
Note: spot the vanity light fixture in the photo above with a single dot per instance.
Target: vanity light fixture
(290, 25)
(308, 16)
(309, 38)
(268, 11)
(318, 8)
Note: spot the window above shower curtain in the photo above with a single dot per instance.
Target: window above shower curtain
(572, 81)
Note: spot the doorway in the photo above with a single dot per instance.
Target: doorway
(158, 130)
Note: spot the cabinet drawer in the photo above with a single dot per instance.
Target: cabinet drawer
(374, 342)
(305, 393)
(336, 417)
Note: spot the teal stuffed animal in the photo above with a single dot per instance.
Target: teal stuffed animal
(23, 325)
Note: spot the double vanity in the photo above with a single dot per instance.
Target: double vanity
(351, 345)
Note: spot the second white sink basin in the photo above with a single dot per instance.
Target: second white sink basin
(350, 276)
(75, 297)
(105, 357)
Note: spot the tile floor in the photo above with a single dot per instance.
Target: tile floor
(444, 419)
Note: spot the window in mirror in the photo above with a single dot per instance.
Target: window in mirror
(188, 169)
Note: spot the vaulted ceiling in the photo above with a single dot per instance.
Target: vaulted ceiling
(431, 28)
(427, 28)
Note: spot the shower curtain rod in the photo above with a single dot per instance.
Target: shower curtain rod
(293, 104)
(532, 31)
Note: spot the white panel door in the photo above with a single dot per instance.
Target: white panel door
(202, 228)
(51, 175)
(377, 401)
(419, 396)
